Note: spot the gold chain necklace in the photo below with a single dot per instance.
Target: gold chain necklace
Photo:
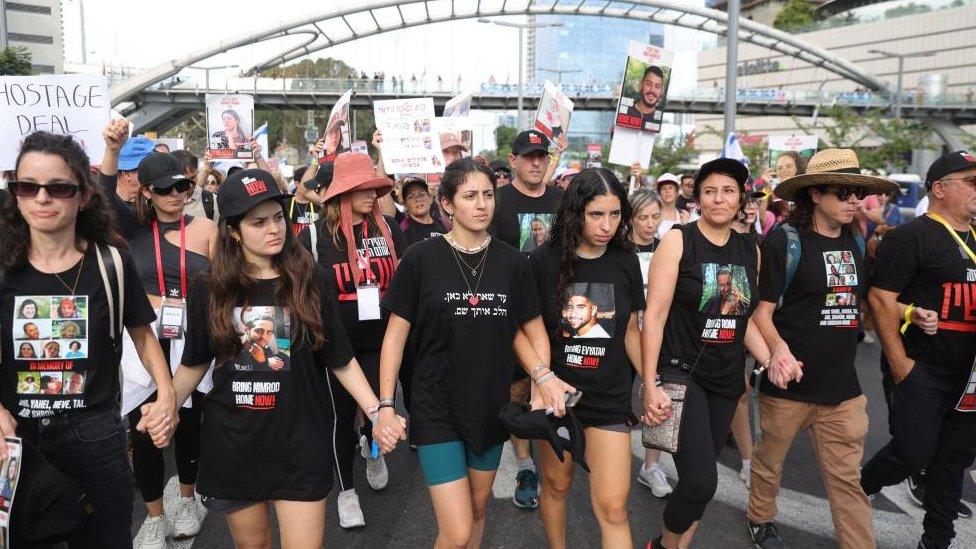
(72, 289)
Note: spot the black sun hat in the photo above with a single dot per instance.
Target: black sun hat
(245, 189)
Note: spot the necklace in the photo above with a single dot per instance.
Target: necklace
(71, 289)
(454, 243)
(591, 256)
(472, 292)
(474, 270)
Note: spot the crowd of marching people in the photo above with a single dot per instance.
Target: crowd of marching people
(272, 332)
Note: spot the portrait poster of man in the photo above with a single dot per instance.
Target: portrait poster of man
(555, 109)
(534, 230)
(644, 89)
(587, 311)
(230, 123)
(725, 290)
(337, 130)
(803, 145)
(265, 338)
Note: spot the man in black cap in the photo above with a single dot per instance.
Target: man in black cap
(930, 263)
(516, 206)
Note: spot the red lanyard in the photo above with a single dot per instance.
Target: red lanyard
(159, 259)
(367, 270)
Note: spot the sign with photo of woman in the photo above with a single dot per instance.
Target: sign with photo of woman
(644, 89)
(230, 119)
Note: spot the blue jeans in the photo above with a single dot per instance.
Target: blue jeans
(89, 448)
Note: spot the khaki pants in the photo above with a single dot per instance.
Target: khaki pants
(837, 433)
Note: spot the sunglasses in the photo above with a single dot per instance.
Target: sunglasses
(843, 193)
(180, 187)
(27, 189)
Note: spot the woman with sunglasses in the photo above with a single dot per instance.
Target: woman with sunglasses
(591, 289)
(55, 236)
(169, 249)
(268, 316)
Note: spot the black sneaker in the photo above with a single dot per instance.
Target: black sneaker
(963, 511)
(764, 536)
(916, 491)
(526, 489)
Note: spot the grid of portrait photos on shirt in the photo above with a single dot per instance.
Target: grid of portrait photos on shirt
(48, 332)
(841, 275)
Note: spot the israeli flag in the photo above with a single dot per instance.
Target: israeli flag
(732, 149)
(261, 135)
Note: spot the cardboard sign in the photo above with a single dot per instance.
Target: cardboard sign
(629, 146)
(337, 130)
(410, 140)
(555, 108)
(644, 89)
(67, 104)
(230, 120)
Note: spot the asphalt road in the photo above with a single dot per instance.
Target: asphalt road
(401, 515)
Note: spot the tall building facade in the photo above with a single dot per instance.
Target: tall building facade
(36, 26)
(585, 50)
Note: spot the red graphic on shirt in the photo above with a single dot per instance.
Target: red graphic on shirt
(958, 312)
(380, 270)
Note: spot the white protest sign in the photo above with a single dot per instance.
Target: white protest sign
(410, 140)
(803, 145)
(68, 104)
(555, 108)
(629, 146)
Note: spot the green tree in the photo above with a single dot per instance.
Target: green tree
(326, 67)
(504, 139)
(670, 154)
(15, 61)
(796, 15)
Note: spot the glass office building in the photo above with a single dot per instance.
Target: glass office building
(585, 50)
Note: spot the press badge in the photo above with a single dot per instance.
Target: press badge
(368, 297)
(172, 319)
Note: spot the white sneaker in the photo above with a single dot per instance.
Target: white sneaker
(350, 513)
(153, 533)
(656, 479)
(745, 475)
(187, 521)
(377, 474)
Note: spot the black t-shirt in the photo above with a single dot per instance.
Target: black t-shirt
(464, 364)
(364, 334)
(924, 264)
(57, 348)
(587, 328)
(713, 300)
(524, 222)
(267, 427)
(821, 313)
(415, 231)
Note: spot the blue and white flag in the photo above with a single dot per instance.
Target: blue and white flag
(732, 149)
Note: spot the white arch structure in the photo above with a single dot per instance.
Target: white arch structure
(338, 25)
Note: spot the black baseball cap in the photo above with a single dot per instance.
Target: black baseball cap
(562, 433)
(161, 170)
(947, 164)
(410, 183)
(530, 141)
(732, 168)
(323, 177)
(245, 189)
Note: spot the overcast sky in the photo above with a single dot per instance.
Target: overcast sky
(142, 35)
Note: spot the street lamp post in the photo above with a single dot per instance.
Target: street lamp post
(901, 72)
(521, 29)
(731, 65)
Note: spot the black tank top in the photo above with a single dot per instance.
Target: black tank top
(143, 251)
(713, 299)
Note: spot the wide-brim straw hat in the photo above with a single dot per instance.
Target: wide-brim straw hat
(833, 167)
(354, 171)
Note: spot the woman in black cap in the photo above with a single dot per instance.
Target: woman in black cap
(703, 281)
(591, 289)
(169, 249)
(268, 420)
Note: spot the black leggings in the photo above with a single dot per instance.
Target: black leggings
(704, 430)
(147, 460)
(344, 435)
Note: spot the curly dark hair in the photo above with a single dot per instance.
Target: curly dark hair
(801, 216)
(95, 222)
(567, 230)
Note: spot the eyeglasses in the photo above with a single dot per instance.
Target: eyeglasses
(843, 193)
(180, 187)
(28, 189)
(971, 181)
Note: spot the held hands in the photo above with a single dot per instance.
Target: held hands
(784, 367)
(8, 428)
(388, 429)
(925, 319)
(657, 405)
(116, 134)
(159, 420)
